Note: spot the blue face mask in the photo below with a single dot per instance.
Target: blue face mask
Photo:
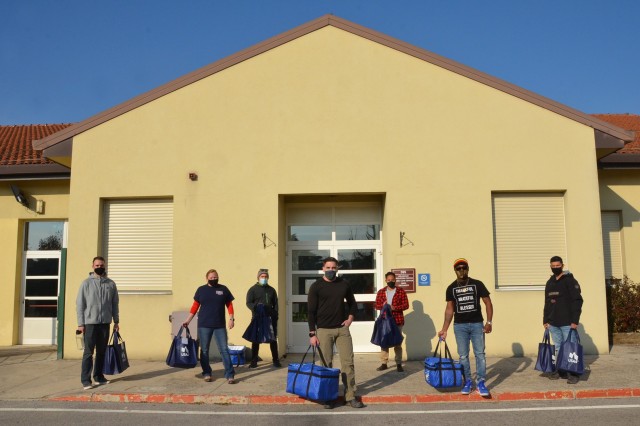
(264, 281)
(330, 275)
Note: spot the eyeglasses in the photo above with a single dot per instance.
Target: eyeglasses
(462, 268)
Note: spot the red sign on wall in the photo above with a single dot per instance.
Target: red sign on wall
(406, 279)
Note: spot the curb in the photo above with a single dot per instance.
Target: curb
(383, 399)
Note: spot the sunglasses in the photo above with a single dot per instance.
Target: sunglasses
(462, 268)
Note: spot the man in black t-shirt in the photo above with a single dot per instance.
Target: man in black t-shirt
(463, 306)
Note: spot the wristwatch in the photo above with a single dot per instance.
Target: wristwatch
(489, 322)
(312, 333)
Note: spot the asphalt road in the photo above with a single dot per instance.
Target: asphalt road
(611, 412)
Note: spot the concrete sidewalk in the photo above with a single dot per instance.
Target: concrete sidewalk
(33, 373)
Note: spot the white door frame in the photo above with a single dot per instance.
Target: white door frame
(36, 330)
(298, 332)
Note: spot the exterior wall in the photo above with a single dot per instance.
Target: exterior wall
(332, 113)
(620, 190)
(12, 217)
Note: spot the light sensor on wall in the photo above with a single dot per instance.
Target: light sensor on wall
(19, 196)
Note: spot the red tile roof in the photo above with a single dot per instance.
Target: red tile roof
(627, 122)
(16, 146)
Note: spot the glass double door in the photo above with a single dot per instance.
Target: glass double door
(359, 263)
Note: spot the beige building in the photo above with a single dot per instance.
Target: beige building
(330, 139)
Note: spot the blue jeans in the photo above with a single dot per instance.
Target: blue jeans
(471, 333)
(205, 334)
(559, 335)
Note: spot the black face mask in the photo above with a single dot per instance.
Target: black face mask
(213, 282)
(331, 275)
(391, 284)
(99, 271)
(556, 271)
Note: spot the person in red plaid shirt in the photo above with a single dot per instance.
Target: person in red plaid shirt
(399, 303)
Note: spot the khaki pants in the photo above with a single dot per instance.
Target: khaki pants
(384, 353)
(342, 339)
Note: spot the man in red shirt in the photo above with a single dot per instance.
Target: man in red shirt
(399, 302)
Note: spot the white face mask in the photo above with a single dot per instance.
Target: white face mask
(264, 281)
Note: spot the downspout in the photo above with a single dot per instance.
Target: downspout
(61, 299)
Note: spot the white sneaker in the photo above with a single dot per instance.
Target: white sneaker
(87, 387)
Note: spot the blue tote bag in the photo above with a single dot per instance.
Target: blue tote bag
(546, 352)
(442, 372)
(115, 357)
(315, 382)
(570, 358)
(184, 351)
(260, 329)
(386, 333)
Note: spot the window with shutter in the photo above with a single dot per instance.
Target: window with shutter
(138, 244)
(528, 228)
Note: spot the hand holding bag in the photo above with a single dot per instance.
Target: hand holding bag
(546, 352)
(386, 333)
(442, 372)
(184, 351)
(570, 358)
(115, 357)
(310, 381)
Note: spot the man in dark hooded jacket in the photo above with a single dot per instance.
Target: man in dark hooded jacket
(263, 294)
(562, 309)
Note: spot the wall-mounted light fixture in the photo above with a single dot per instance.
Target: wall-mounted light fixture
(403, 239)
(19, 196)
(193, 176)
(265, 239)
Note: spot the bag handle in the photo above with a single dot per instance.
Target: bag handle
(438, 351)
(573, 330)
(182, 327)
(545, 337)
(385, 311)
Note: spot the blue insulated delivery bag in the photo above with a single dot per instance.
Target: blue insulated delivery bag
(442, 372)
(312, 381)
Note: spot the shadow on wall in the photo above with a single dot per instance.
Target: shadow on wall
(419, 331)
(505, 367)
(587, 342)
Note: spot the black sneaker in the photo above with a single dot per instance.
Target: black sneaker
(354, 403)
(399, 368)
(330, 405)
(382, 367)
(254, 364)
(277, 364)
(573, 379)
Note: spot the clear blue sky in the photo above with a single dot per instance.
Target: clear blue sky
(62, 61)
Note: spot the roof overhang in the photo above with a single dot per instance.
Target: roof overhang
(61, 152)
(34, 172)
(606, 144)
(620, 161)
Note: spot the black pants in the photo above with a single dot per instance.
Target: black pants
(96, 337)
(255, 347)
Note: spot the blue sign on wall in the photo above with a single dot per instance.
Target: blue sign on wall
(424, 279)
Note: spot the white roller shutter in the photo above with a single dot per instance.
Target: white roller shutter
(138, 244)
(612, 245)
(528, 228)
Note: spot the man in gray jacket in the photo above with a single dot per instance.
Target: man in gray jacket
(96, 306)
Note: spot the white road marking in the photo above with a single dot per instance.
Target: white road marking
(323, 413)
